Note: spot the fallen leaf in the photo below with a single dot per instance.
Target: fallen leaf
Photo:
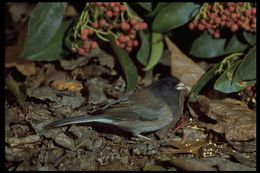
(182, 66)
(235, 120)
(62, 85)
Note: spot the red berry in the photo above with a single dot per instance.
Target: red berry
(229, 23)
(136, 27)
(85, 46)
(144, 26)
(115, 13)
(81, 52)
(94, 25)
(112, 4)
(224, 17)
(122, 38)
(84, 37)
(132, 31)
(93, 45)
(216, 34)
(201, 27)
(116, 9)
(129, 43)
(133, 21)
(222, 23)
(253, 10)
(102, 22)
(98, 3)
(84, 32)
(234, 15)
(212, 15)
(248, 12)
(231, 8)
(124, 26)
(191, 26)
(217, 20)
(234, 27)
(109, 13)
(230, 4)
(117, 43)
(135, 43)
(123, 8)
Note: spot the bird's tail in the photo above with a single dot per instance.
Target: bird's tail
(77, 120)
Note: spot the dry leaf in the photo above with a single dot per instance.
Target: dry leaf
(182, 66)
(237, 121)
(13, 56)
(62, 85)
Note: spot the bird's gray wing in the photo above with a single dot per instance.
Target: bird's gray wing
(142, 105)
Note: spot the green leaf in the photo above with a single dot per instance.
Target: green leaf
(54, 49)
(145, 5)
(127, 65)
(19, 90)
(43, 24)
(207, 47)
(174, 15)
(234, 45)
(247, 68)
(204, 80)
(144, 51)
(226, 84)
(250, 37)
(156, 50)
(159, 7)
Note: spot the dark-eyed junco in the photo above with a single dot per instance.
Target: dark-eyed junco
(147, 110)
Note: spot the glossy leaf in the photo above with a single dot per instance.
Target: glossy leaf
(159, 7)
(44, 22)
(127, 65)
(250, 38)
(144, 51)
(174, 15)
(207, 47)
(54, 49)
(234, 45)
(247, 68)
(156, 50)
(226, 84)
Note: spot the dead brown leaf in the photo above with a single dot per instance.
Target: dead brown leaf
(237, 121)
(62, 85)
(13, 56)
(182, 66)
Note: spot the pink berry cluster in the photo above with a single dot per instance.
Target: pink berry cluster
(127, 39)
(225, 15)
(87, 45)
(109, 18)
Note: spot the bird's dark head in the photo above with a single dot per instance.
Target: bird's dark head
(167, 89)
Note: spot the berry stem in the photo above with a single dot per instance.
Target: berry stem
(228, 61)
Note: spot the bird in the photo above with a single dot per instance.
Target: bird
(147, 110)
